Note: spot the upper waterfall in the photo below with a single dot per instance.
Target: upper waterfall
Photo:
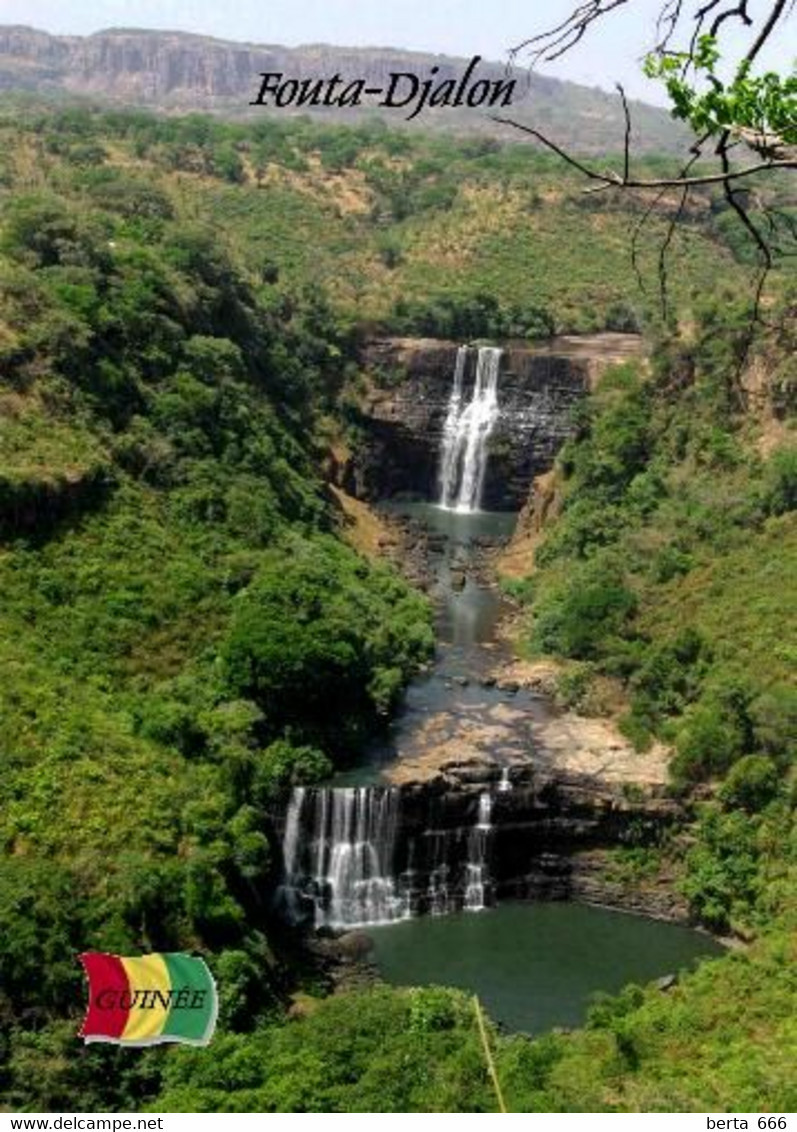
(467, 428)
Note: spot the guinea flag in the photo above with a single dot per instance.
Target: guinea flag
(147, 999)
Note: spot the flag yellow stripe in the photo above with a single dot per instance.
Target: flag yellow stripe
(150, 973)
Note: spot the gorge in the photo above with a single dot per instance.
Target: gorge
(229, 360)
(466, 803)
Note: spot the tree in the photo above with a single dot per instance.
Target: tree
(748, 112)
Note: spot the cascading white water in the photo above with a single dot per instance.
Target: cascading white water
(290, 842)
(287, 894)
(505, 785)
(352, 835)
(467, 429)
(438, 892)
(477, 855)
(352, 860)
(450, 452)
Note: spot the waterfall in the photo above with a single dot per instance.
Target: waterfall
(362, 856)
(450, 452)
(477, 855)
(287, 893)
(505, 785)
(346, 869)
(290, 842)
(438, 892)
(467, 429)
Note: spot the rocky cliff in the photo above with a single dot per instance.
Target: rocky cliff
(547, 840)
(546, 837)
(176, 70)
(402, 416)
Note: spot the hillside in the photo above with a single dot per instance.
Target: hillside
(177, 71)
(404, 232)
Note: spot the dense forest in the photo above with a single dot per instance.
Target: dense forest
(187, 629)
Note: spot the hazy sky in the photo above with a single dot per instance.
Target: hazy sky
(457, 27)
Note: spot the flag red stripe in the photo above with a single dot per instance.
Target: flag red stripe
(108, 983)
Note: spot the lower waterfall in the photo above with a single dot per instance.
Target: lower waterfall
(478, 842)
(352, 858)
(338, 851)
(467, 429)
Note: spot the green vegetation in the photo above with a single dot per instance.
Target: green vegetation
(671, 571)
(670, 575)
(686, 1051)
(721, 1040)
(173, 595)
(315, 647)
(764, 104)
(183, 634)
(403, 232)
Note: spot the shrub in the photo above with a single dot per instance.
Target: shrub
(622, 318)
(578, 620)
(637, 728)
(708, 744)
(670, 676)
(774, 719)
(322, 641)
(781, 482)
(751, 783)
(389, 252)
(722, 869)
(282, 765)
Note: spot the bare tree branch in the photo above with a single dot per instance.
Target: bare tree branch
(729, 14)
(670, 14)
(612, 180)
(709, 17)
(550, 45)
(627, 136)
(769, 26)
(696, 154)
(730, 196)
(664, 248)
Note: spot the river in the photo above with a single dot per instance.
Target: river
(387, 849)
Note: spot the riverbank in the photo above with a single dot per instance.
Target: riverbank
(511, 710)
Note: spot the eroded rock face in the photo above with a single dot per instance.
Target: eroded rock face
(542, 836)
(180, 70)
(539, 827)
(39, 503)
(404, 415)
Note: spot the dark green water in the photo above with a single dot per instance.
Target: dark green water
(535, 966)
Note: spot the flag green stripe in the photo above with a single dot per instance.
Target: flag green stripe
(194, 1020)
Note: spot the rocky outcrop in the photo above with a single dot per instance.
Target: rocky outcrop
(403, 416)
(551, 838)
(542, 505)
(592, 878)
(542, 836)
(36, 504)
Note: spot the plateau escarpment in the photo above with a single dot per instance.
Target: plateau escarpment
(177, 70)
(402, 417)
